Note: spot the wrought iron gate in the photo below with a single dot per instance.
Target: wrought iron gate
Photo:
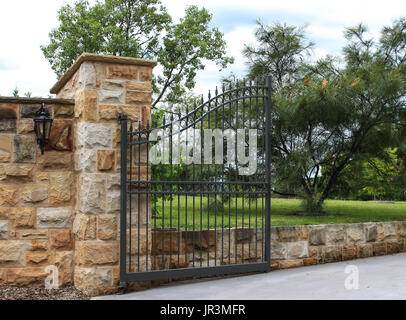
(184, 214)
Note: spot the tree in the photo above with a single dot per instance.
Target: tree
(141, 29)
(329, 114)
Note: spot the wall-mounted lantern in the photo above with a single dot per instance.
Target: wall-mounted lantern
(42, 127)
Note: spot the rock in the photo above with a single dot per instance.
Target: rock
(8, 195)
(350, 252)
(164, 242)
(61, 137)
(60, 188)
(105, 276)
(3, 229)
(87, 75)
(112, 96)
(25, 126)
(371, 232)
(310, 261)
(25, 148)
(331, 254)
(133, 112)
(144, 74)
(386, 231)
(12, 253)
(4, 213)
(85, 280)
(86, 105)
(401, 229)
(94, 135)
(54, 160)
(355, 233)
(30, 111)
(113, 85)
(54, 217)
(107, 227)
(38, 258)
(106, 160)
(8, 112)
(118, 71)
(298, 250)
(146, 117)
(85, 160)
(137, 97)
(278, 251)
(285, 264)
(64, 111)
(6, 148)
(37, 245)
(335, 234)
(61, 239)
(84, 227)
(365, 250)
(34, 193)
(22, 218)
(393, 247)
(64, 262)
(27, 276)
(96, 253)
(16, 171)
(379, 248)
(31, 234)
(317, 236)
(108, 112)
(92, 193)
(8, 125)
(139, 86)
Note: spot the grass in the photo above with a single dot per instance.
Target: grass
(245, 213)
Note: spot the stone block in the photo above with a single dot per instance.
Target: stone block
(25, 126)
(18, 172)
(6, 148)
(22, 218)
(61, 137)
(30, 234)
(8, 112)
(85, 280)
(61, 239)
(313, 252)
(84, 227)
(331, 254)
(87, 75)
(4, 213)
(33, 277)
(12, 253)
(171, 242)
(30, 111)
(34, 193)
(140, 245)
(38, 258)
(386, 231)
(3, 229)
(392, 247)
(3, 277)
(8, 195)
(104, 276)
(54, 160)
(60, 188)
(379, 248)
(37, 245)
(108, 112)
(25, 147)
(144, 73)
(54, 217)
(350, 252)
(401, 229)
(317, 236)
(116, 96)
(355, 233)
(86, 107)
(92, 193)
(137, 97)
(63, 260)
(118, 71)
(106, 160)
(298, 250)
(64, 111)
(85, 160)
(371, 232)
(365, 250)
(335, 234)
(8, 125)
(278, 251)
(133, 112)
(310, 261)
(139, 86)
(146, 117)
(107, 227)
(94, 135)
(90, 253)
(286, 264)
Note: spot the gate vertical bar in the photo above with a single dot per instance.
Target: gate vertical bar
(123, 200)
(268, 173)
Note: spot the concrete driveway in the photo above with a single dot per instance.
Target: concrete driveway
(379, 278)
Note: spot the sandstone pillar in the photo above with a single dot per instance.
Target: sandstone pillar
(103, 87)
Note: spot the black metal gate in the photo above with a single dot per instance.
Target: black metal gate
(187, 213)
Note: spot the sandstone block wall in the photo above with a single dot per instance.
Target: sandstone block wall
(37, 194)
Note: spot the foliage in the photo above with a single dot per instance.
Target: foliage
(141, 29)
(329, 114)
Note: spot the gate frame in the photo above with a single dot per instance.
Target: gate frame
(129, 277)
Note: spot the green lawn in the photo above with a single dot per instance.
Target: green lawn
(247, 214)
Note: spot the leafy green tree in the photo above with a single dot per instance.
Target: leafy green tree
(141, 29)
(329, 114)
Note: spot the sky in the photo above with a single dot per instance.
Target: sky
(25, 24)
